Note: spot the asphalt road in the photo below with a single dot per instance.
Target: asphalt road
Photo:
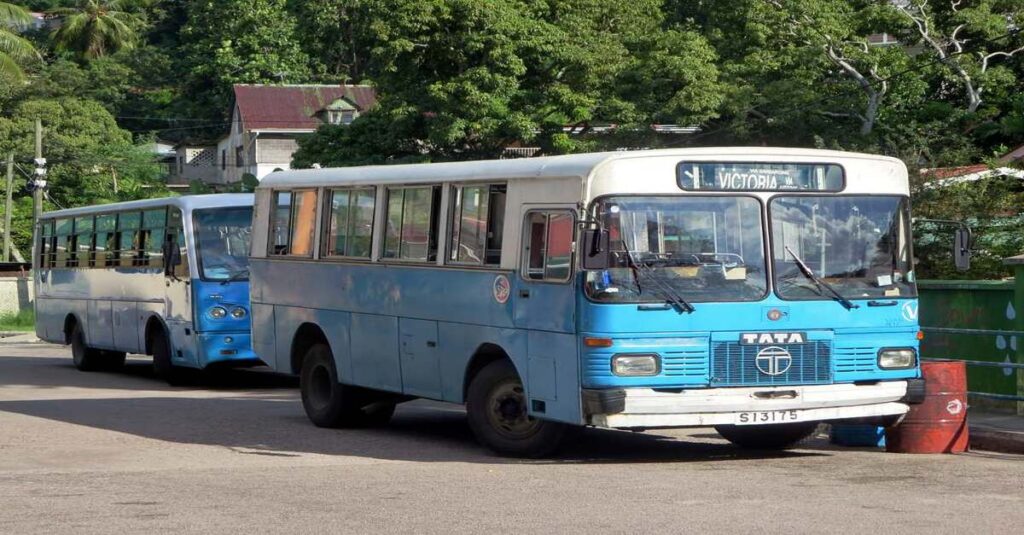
(125, 453)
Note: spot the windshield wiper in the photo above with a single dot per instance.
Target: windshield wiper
(236, 276)
(666, 290)
(806, 271)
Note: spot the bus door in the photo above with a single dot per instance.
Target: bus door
(544, 306)
(177, 310)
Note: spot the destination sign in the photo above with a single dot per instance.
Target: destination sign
(754, 176)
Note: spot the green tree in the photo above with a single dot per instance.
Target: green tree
(238, 41)
(95, 28)
(464, 79)
(15, 50)
(90, 159)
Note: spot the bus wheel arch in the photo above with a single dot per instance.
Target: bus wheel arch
(483, 356)
(70, 321)
(306, 336)
(154, 326)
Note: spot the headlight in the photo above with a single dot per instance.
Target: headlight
(635, 365)
(218, 312)
(238, 313)
(892, 359)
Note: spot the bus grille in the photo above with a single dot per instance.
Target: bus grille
(735, 364)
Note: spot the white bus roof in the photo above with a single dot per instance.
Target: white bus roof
(185, 202)
(573, 165)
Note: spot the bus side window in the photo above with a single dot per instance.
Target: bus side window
(83, 240)
(104, 244)
(478, 218)
(128, 237)
(279, 220)
(63, 232)
(412, 223)
(547, 247)
(350, 222)
(302, 223)
(45, 243)
(153, 230)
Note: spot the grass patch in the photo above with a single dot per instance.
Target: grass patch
(20, 321)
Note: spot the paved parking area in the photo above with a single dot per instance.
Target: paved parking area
(125, 453)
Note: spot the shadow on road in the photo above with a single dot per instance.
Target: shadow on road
(137, 373)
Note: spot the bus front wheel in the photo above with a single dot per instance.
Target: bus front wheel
(329, 403)
(162, 365)
(496, 408)
(766, 437)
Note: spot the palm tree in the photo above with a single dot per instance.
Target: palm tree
(14, 49)
(95, 28)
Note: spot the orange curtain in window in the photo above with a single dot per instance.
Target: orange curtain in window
(302, 221)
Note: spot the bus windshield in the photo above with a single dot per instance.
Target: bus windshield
(700, 248)
(222, 237)
(860, 245)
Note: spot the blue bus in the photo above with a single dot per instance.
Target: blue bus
(162, 277)
(757, 290)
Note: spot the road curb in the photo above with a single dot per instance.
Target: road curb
(1000, 440)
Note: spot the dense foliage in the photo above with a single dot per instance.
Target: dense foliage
(463, 79)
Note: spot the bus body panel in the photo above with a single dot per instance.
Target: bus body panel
(378, 321)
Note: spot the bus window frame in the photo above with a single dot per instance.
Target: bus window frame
(323, 245)
(442, 213)
(524, 237)
(271, 219)
(454, 219)
(46, 228)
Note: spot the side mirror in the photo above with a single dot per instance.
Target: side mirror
(596, 254)
(962, 248)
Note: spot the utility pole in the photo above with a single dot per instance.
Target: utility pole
(7, 209)
(38, 184)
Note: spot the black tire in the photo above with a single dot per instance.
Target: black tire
(113, 360)
(766, 437)
(329, 403)
(497, 415)
(85, 358)
(162, 365)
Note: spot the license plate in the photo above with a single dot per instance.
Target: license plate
(766, 417)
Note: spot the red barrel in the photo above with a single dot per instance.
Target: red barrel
(939, 425)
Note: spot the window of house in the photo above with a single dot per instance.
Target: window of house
(82, 241)
(478, 218)
(350, 227)
(239, 156)
(128, 232)
(105, 243)
(223, 159)
(154, 223)
(412, 220)
(292, 223)
(547, 245)
(63, 231)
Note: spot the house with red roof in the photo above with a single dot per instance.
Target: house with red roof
(266, 122)
(1007, 165)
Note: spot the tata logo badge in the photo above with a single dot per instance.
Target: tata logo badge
(773, 360)
(775, 314)
(773, 338)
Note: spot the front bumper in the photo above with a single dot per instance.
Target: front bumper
(231, 347)
(645, 407)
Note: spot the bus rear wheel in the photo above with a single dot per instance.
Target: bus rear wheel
(329, 403)
(86, 359)
(766, 437)
(496, 408)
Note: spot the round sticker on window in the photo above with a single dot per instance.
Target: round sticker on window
(502, 289)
